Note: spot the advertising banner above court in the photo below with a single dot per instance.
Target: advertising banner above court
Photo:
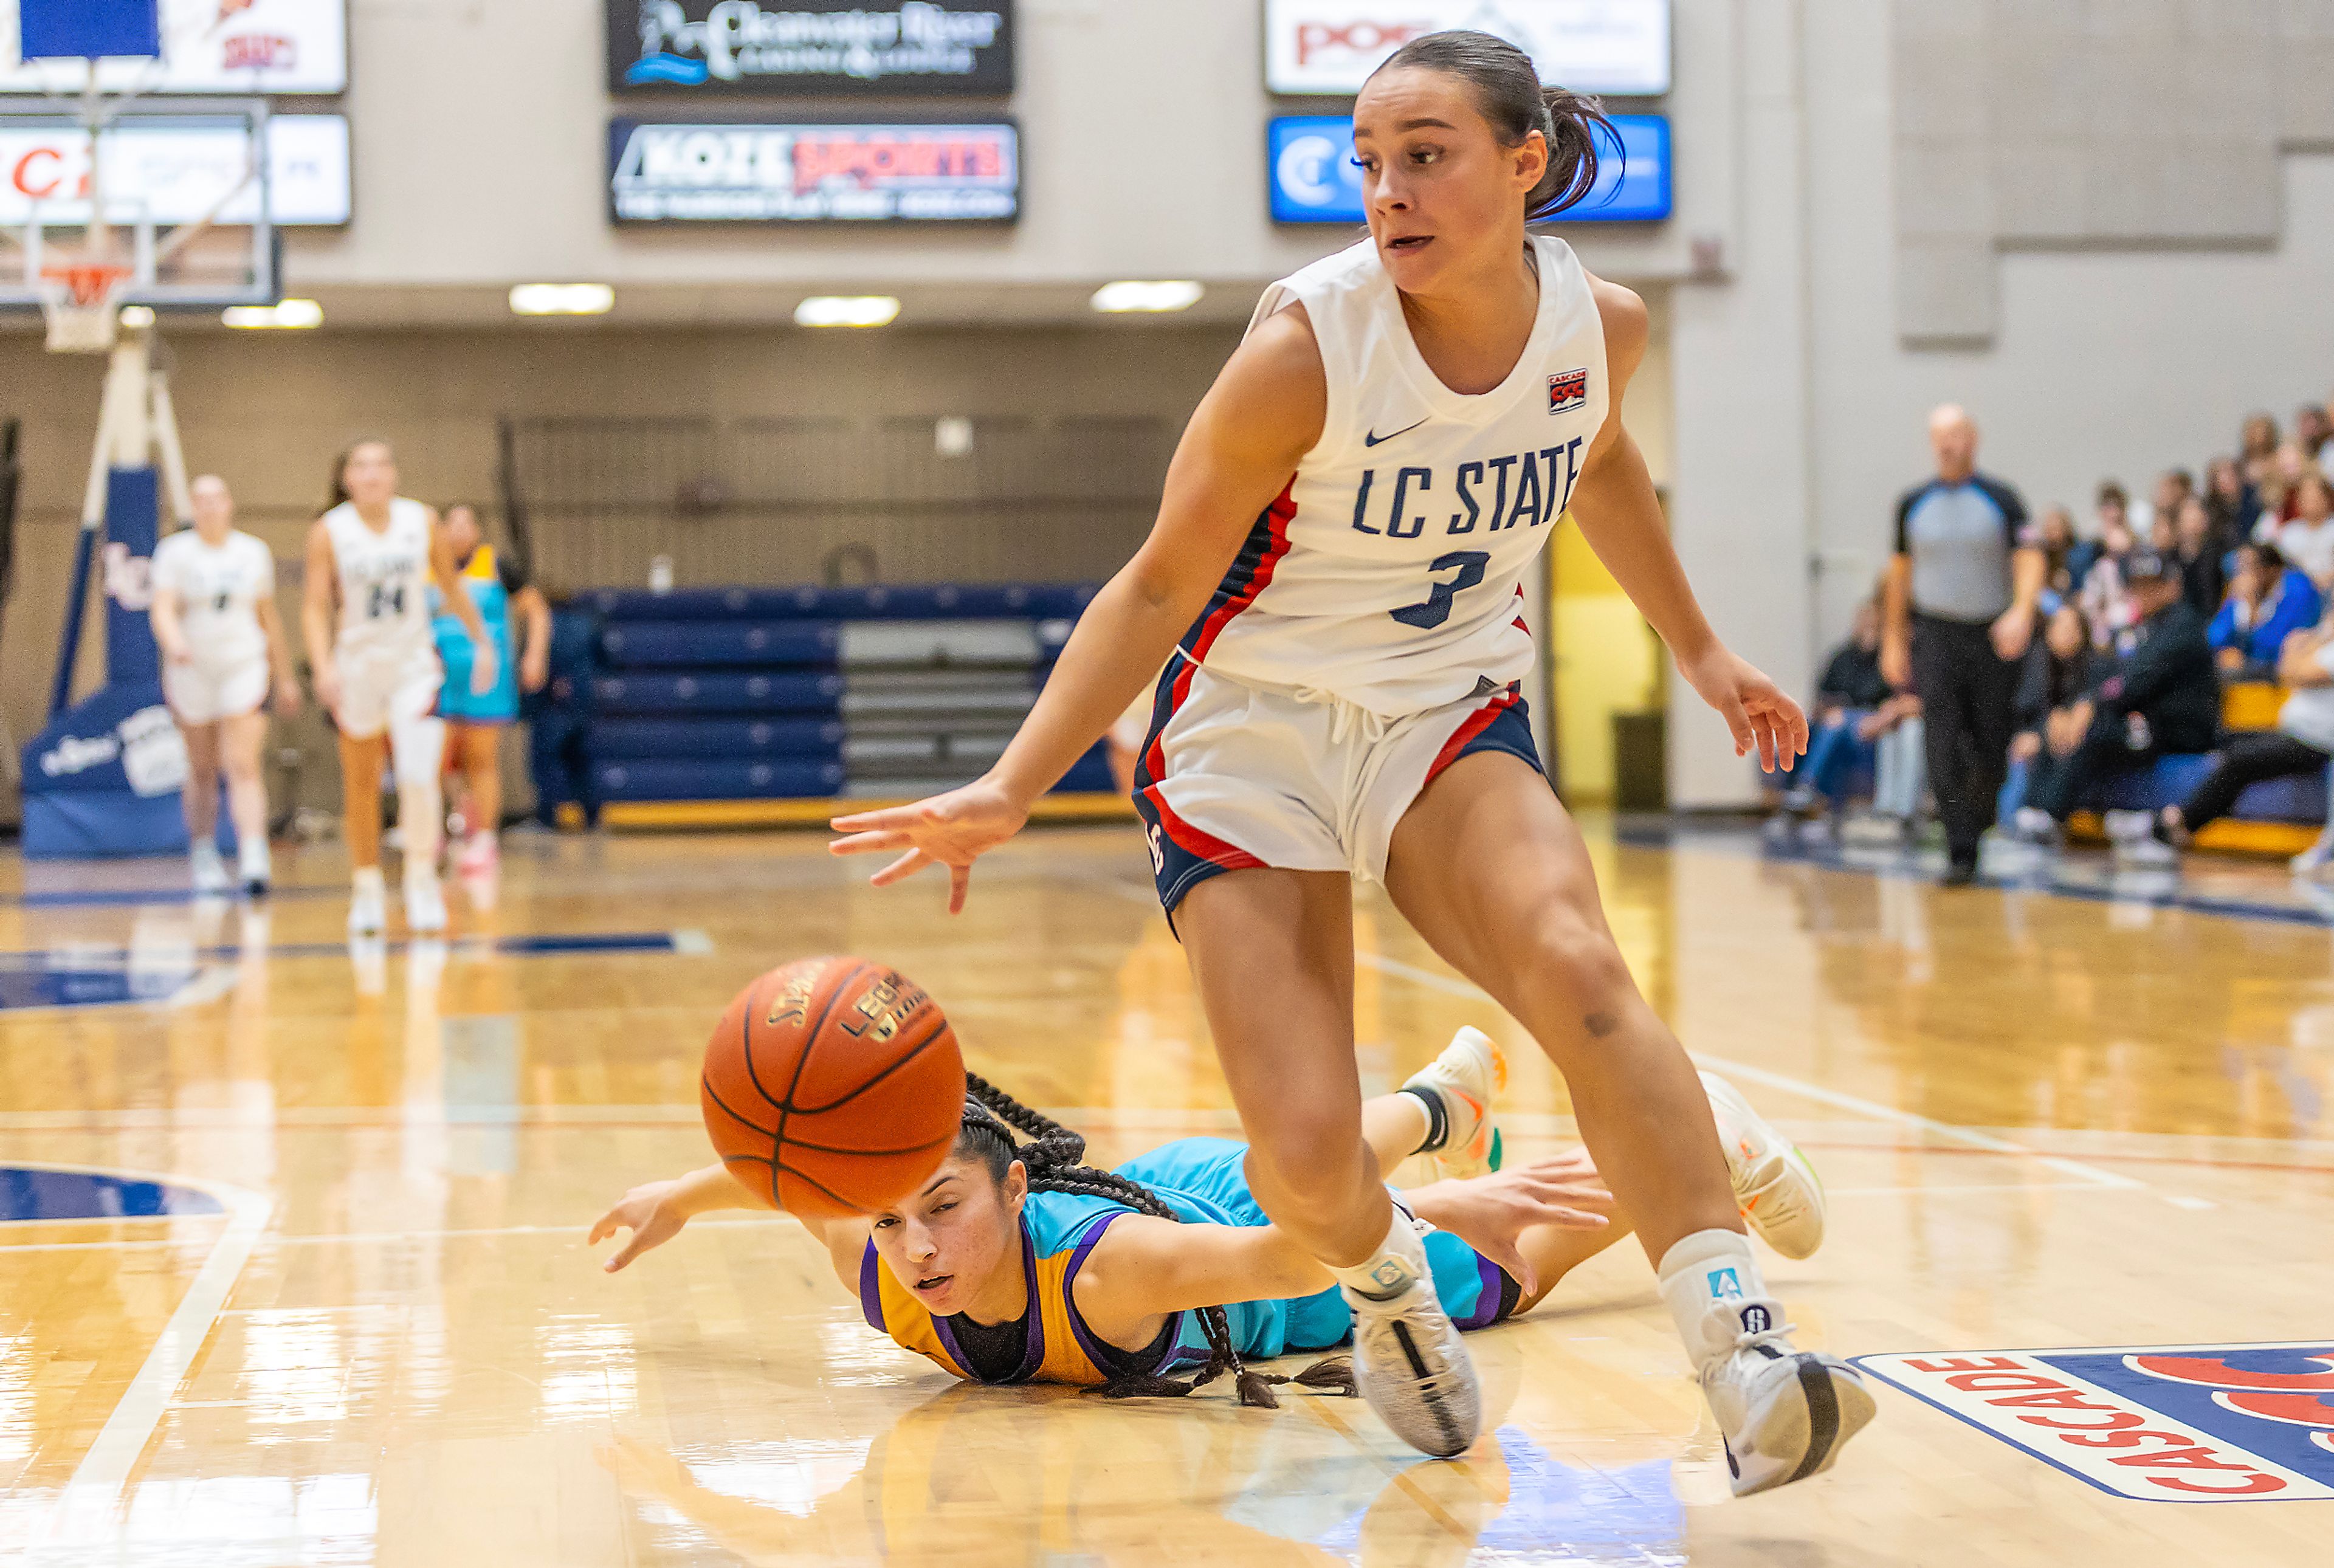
(912, 173)
(1314, 180)
(863, 48)
(1329, 47)
(254, 47)
(177, 170)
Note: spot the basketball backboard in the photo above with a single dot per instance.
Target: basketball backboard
(174, 194)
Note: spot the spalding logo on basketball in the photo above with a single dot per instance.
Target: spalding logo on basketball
(834, 1086)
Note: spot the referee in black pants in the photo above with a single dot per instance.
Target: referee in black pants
(1963, 588)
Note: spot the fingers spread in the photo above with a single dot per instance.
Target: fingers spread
(888, 819)
(906, 866)
(960, 884)
(870, 842)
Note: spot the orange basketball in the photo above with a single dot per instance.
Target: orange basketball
(834, 1085)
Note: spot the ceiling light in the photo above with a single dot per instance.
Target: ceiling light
(562, 300)
(1119, 298)
(847, 310)
(284, 316)
(136, 317)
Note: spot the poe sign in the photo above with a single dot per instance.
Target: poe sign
(1329, 47)
(2160, 1423)
(1314, 179)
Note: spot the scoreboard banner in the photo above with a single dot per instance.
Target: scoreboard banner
(1312, 177)
(741, 173)
(1327, 48)
(251, 47)
(827, 48)
(177, 170)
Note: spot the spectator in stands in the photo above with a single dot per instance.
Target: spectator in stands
(2160, 698)
(2172, 487)
(2200, 552)
(1855, 706)
(2056, 681)
(2257, 448)
(2268, 601)
(2279, 491)
(2107, 609)
(2303, 743)
(2310, 431)
(2066, 558)
(2235, 508)
(1963, 591)
(2307, 539)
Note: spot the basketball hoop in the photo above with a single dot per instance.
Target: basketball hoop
(78, 299)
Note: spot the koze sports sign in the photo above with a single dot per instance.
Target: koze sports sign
(814, 173)
(248, 47)
(1329, 47)
(177, 172)
(2162, 1423)
(708, 48)
(1314, 177)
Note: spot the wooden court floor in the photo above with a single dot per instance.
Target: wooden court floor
(2047, 1120)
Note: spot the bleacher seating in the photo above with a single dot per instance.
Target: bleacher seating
(2277, 816)
(776, 694)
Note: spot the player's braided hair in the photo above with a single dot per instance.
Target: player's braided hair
(1054, 1161)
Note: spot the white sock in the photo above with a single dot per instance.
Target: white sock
(252, 859)
(1399, 1262)
(366, 879)
(203, 853)
(1709, 1268)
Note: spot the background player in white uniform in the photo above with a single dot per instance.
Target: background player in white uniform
(214, 616)
(1405, 424)
(370, 559)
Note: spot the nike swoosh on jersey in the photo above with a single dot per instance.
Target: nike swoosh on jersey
(1374, 438)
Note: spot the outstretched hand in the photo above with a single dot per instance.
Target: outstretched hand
(1758, 713)
(1492, 1212)
(649, 1213)
(952, 830)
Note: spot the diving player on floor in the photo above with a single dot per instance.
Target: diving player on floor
(1337, 572)
(1015, 1264)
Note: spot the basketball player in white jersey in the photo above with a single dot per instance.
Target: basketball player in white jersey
(215, 620)
(370, 559)
(1340, 550)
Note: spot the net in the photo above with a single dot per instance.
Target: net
(79, 300)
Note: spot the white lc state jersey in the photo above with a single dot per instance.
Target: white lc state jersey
(219, 590)
(1389, 574)
(384, 581)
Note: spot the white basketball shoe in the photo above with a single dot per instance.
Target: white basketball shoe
(1780, 1196)
(425, 901)
(1465, 1079)
(1411, 1366)
(368, 904)
(1784, 1413)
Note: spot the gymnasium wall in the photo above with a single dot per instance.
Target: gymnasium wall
(1801, 407)
(270, 411)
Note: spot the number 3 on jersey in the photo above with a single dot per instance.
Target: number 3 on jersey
(1437, 608)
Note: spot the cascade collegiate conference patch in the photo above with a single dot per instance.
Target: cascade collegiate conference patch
(2162, 1423)
(1568, 392)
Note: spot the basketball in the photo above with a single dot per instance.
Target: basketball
(833, 1085)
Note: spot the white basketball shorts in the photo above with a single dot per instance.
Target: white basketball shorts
(1235, 777)
(377, 694)
(200, 694)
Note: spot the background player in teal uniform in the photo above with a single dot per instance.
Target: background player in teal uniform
(475, 722)
(1016, 1264)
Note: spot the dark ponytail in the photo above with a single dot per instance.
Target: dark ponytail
(1053, 1162)
(1509, 93)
